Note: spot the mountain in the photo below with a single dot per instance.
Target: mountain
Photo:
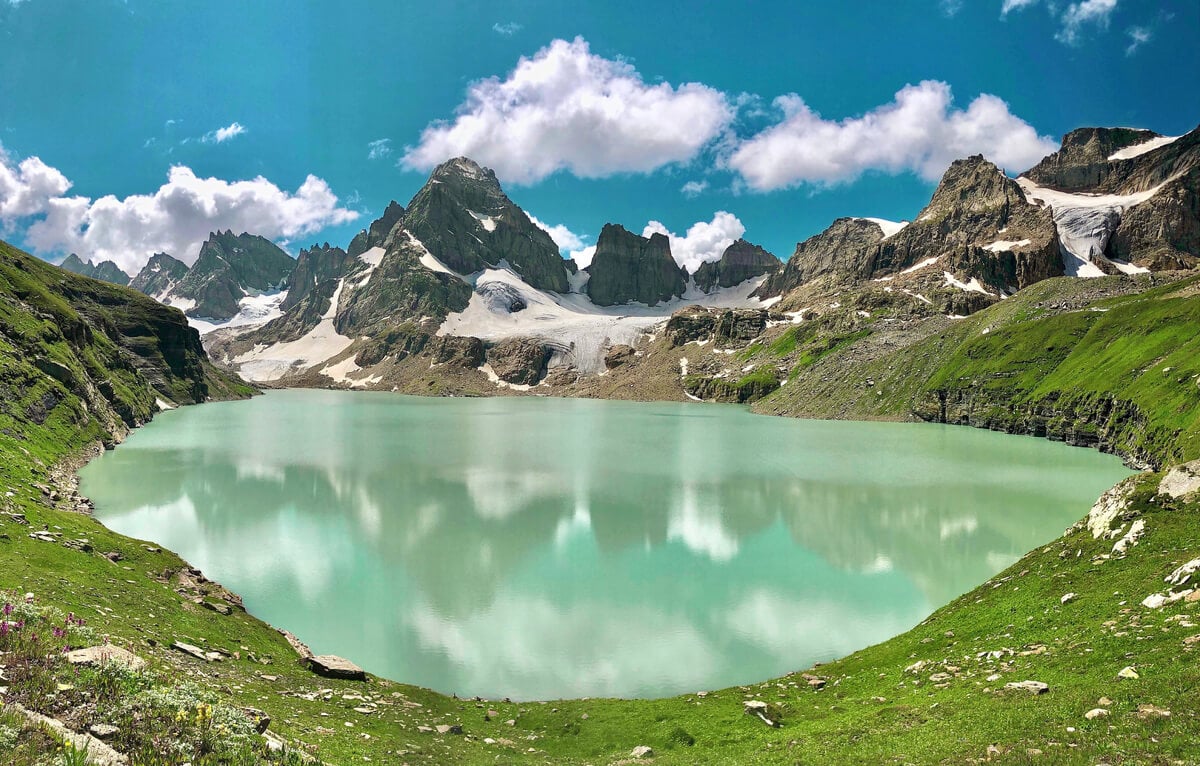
(629, 268)
(159, 276)
(100, 357)
(229, 268)
(463, 218)
(740, 261)
(106, 271)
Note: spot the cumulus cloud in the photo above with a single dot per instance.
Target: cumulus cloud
(1079, 15)
(1138, 36)
(562, 236)
(693, 189)
(705, 240)
(26, 187)
(221, 135)
(379, 148)
(566, 108)
(508, 29)
(919, 131)
(1015, 5)
(176, 218)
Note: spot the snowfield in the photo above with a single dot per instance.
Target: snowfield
(256, 310)
(323, 342)
(1085, 223)
(1137, 150)
(576, 329)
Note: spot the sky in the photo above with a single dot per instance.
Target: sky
(129, 127)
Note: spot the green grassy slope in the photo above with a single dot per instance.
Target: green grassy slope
(870, 709)
(1115, 372)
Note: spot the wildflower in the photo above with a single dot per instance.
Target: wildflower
(7, 608)
(59, 632)
(3, 627)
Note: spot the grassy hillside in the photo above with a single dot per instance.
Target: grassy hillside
(1070, 359)
(935, 694)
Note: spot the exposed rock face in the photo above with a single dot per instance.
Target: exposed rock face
(229, 268)
(976, 205)
(618, 355)
(739, 262)
(1082, 163)
(399, 290)
(1163, 232)
(159, 276)
(457, 351)
(376, 234)
(699, 324)
(519, 361)
(331, 666)
(105, 271)
(465, 220)
(318, 264)
(628, 268)
(843, 250)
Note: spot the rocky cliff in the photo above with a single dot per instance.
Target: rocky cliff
(466, 221)
(628, 268)
(230, 267)
(1083, 163)
(159, 276)
(740, 261)
(105, 271)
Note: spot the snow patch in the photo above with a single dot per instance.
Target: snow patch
(323, 342)
(890, 228)
(1138, 150)
(486, 221)
(921, 265)
(255, 310)
(1004, 245)
(1085, 222)
(577, 330)
(973, 286)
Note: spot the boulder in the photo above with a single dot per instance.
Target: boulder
(519, 361)
(642, 751)
(94, 656)
(618, 355)
(1033, 687)
(1181, 481)
(332, 666)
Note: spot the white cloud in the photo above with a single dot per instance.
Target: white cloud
(507, 29)
(379, 148)
(1015, 5)
(569, 243)
(1138, 36)
(176, 218)
(693, 189)
(562, 236)
(26, 187)
(221, 135)
(1079, 14)
(704, 241)
(950, 8)
(918, 132)
(568, 109)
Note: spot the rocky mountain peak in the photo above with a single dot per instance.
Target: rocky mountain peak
(741, 261)
(464, 219)
(627, 267)
(105, 271)
(376, 234)
(159, 275)
(230, 267)
(971, 185)
(1083, 161)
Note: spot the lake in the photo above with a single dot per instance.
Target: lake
(550, 548)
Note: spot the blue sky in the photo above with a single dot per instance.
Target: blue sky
(129, 127)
